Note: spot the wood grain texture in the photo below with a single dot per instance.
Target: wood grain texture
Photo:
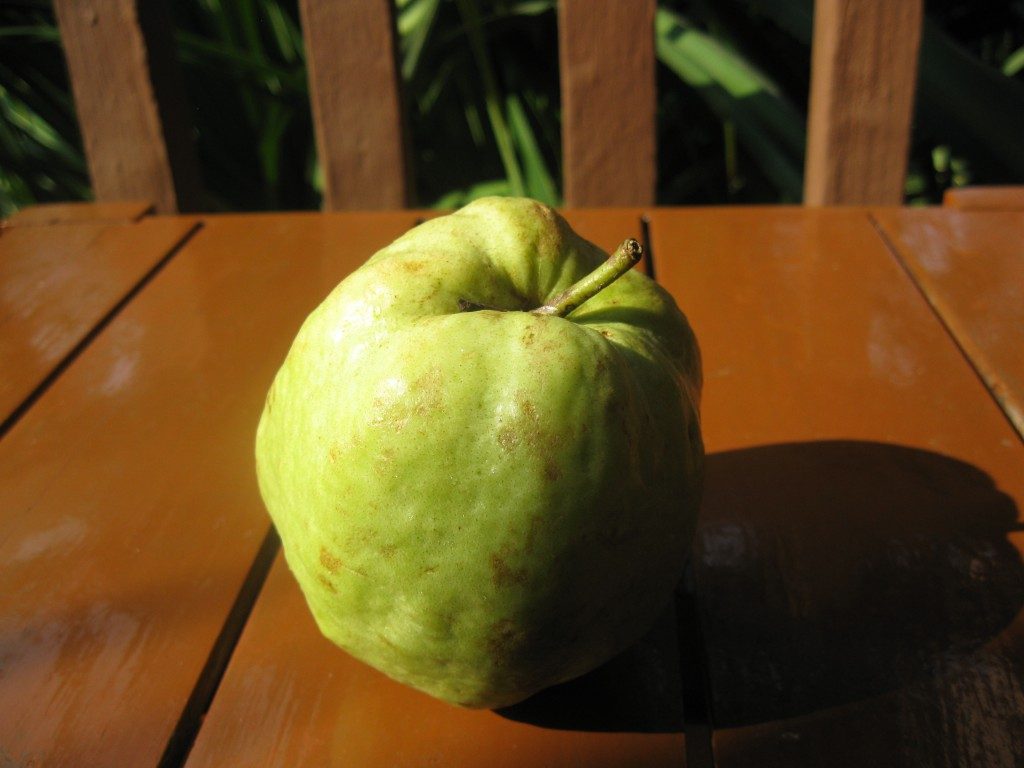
(858, 562)
(48, 214)
(606, 63)
(58, 283)
(357, 104)
(130, 101)
(128, 500)
(863, 75)
(970, 266)
(985, 198)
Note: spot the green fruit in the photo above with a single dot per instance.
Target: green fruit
(485, 502)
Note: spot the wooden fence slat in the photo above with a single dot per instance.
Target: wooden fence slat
(606, 58)
(357, 105)
(863, 73)
(130, 101)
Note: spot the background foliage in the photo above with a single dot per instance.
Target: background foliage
(481, 81)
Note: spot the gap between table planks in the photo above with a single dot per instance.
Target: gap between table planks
(858, 563)
(60, 285)
(128, 505)
(969, 266)
(293, 698)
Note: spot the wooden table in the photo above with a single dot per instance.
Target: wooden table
(856, 589)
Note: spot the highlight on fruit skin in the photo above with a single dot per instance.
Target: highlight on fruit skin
(479, 499)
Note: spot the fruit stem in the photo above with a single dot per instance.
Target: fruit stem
(619, 263)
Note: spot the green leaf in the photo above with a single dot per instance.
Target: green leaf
(286, 34)
(767, 125)
(492, 95)
(538, 180)
(973, 107)
(415, 21)
(1014, 62)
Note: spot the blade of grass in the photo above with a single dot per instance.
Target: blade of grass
(415, 21)
(538, 182)
(285, 32)
(1014, 62)
(40, 33)
(769, 128)
(238, 64)
(492, 96)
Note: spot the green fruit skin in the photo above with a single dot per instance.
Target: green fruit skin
(483, 504)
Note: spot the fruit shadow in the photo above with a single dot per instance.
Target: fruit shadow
(827, 573)
(640, 690)
(823, 573)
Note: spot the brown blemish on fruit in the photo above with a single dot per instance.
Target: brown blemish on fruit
(606, 334)
(508, 439)
(503, 639)
(412, 266)
(502, 574)
(383, 464)
(387, 551)
(426, 395)
(529, 410)
(428, 569)
(525, 432)
(358, 538)
(329, 561)
(333, 454)
(334, 564)
(326, 582)
(429, 388)
(529, 337)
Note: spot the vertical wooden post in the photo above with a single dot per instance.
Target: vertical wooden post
(357, 104)
(863, 73)
(606, 58)
(130, 101)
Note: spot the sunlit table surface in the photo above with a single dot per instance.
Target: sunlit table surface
(855, 591)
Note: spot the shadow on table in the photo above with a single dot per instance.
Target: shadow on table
(826, 573)
(829, 572)
(638, 691)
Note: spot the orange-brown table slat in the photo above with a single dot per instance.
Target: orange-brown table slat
(48, 214)
(858, 563)
(970, 266)
(292, 698)
(57, 283)
(129, 513)
(985, 198)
